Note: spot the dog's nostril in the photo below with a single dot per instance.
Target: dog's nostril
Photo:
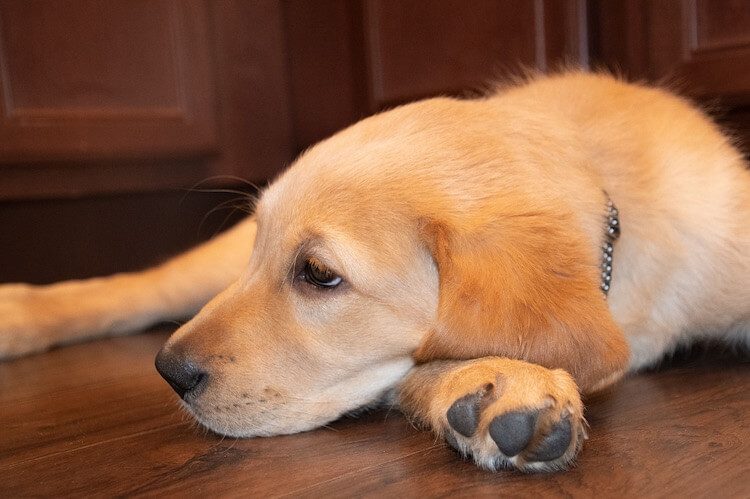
(184, 376)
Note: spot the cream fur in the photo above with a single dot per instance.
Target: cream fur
(462, 230)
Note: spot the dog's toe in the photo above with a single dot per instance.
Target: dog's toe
(513, 431)
(555, 443)
(464, 413)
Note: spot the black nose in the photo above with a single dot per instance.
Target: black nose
(183, 375)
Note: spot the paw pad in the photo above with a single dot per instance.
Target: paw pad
(555, 443)
(524, 438)
(464, 413)
(513, 431)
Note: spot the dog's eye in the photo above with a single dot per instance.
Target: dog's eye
(316, 274)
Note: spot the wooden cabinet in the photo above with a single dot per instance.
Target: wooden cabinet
(122, 95)
(107, 96)
(710, 50)
(700, 48)
(111, 96)
(703, 45)
(97, 80)
(454, 46)
(119, 97)
(351, 58)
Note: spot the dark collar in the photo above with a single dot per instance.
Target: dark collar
(611, 233)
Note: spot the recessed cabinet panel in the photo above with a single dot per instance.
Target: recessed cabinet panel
(720, 24)
(701, 46)
(93, 79)
(715, 45)
(420, 48)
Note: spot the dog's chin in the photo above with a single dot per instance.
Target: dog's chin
(243, 425)
(239, 424)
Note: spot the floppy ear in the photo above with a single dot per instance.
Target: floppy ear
(523, 286)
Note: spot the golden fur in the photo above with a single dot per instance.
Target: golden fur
(467, 234)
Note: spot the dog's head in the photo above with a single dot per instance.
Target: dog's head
(400, 239)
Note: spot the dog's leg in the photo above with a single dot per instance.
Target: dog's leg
(504, 413)
(35, 318)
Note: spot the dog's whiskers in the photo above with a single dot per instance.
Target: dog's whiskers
(228, 177)
(223, 205)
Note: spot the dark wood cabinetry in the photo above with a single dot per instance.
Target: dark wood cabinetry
(107, 79)
(118, 97)
(102, 96)
(351, 58)
(699, 47)
(121, 95)
(454, 45)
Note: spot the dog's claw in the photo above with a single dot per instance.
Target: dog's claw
(513, 431)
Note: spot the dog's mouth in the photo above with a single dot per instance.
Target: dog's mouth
(267, 411)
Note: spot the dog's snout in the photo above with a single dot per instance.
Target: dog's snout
(182, 374)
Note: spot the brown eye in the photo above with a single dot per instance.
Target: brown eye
(317, 275)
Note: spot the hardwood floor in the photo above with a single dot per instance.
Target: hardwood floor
(96, 419)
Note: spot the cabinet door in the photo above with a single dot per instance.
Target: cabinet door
(418, 48)
(698, 47)
(104, 79)
(709, 46)
(114, 96)
(702, 46)
(351, 58)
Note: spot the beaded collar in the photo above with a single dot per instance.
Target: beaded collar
(611, 234)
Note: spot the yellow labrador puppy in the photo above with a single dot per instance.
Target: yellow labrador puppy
(459, 258)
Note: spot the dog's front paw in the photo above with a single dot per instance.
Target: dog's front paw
(511, 414)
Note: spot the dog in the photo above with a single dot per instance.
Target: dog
(480, 264)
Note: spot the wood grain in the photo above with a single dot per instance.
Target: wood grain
(96, 419)
(120, 96)
(105, 80)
